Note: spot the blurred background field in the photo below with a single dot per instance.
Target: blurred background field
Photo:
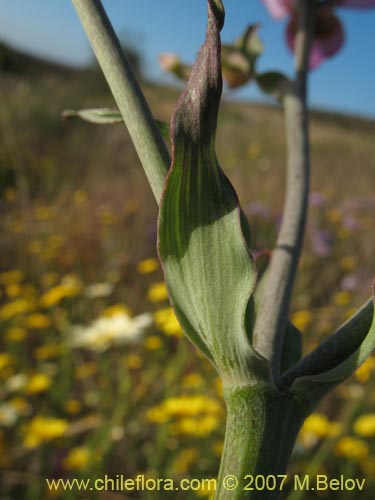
(95, 375)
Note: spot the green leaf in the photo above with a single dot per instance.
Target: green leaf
(338, 357)
(173, 64)
(274, 83)
(209, 273)
(101, 116)
(107, 116)
(236, 67)
(249, 43)
(239, 59)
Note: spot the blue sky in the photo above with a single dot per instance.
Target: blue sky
(51, 28)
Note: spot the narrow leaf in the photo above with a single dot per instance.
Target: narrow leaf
(100, 116)
(274, 83)
(107, 116)
(339, 356)
(250, 43)
(209, 273)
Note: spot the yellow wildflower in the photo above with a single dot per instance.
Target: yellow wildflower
(38, 321)
(218, 447)
(48, 351)
(113, 276)
(15, 334)
(348, 263)
(29, 292)
(42, 429)
(184, 460)
(219, 386)
(131, 206)
(39, 382)
(254, 151)
(153, 343)
(77, 459)
(73, 406)
(43, 213)
(334, 215)
(35, 246)
(115, 310)
(157, 292)
(301, 319)
(365, 425)
(166, 321)
(86, 370)
(192, 380)
(352, 448)
(10, 194)
(13, 291)
(79, 197)
(70, 287)
(368, 466)
(107, 216)
(18, 306)
(343, 233)
(12, 277)
(195, 426)
(5, 360)
(342, 298)
(315, 427)
(363, 373)
(49, 279)
(148, 266)
(184, 406)
(317, 424)
(20, 405)
(133, 361)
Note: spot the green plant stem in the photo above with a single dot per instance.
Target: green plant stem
(126, 91)
(262, 426)
(274, 307)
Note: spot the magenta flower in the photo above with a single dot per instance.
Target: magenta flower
(328, 36)
(280, 8)
(328, 32)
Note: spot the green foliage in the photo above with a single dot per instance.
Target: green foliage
(107, 116)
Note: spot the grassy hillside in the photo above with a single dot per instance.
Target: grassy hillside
(78, 226)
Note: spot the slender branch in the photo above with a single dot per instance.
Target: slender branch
(128, 95)
(273, 312)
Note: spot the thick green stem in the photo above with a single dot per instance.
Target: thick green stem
(262, 426)
(128, 95)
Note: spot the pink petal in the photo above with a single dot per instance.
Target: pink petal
(328, 37)
(280, 8)
(355, 4)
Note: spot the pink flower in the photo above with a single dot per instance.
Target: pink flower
(280, 8)
(328, 36)
(328, 33)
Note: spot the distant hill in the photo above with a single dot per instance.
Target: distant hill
(15, 61)
(18, 63)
